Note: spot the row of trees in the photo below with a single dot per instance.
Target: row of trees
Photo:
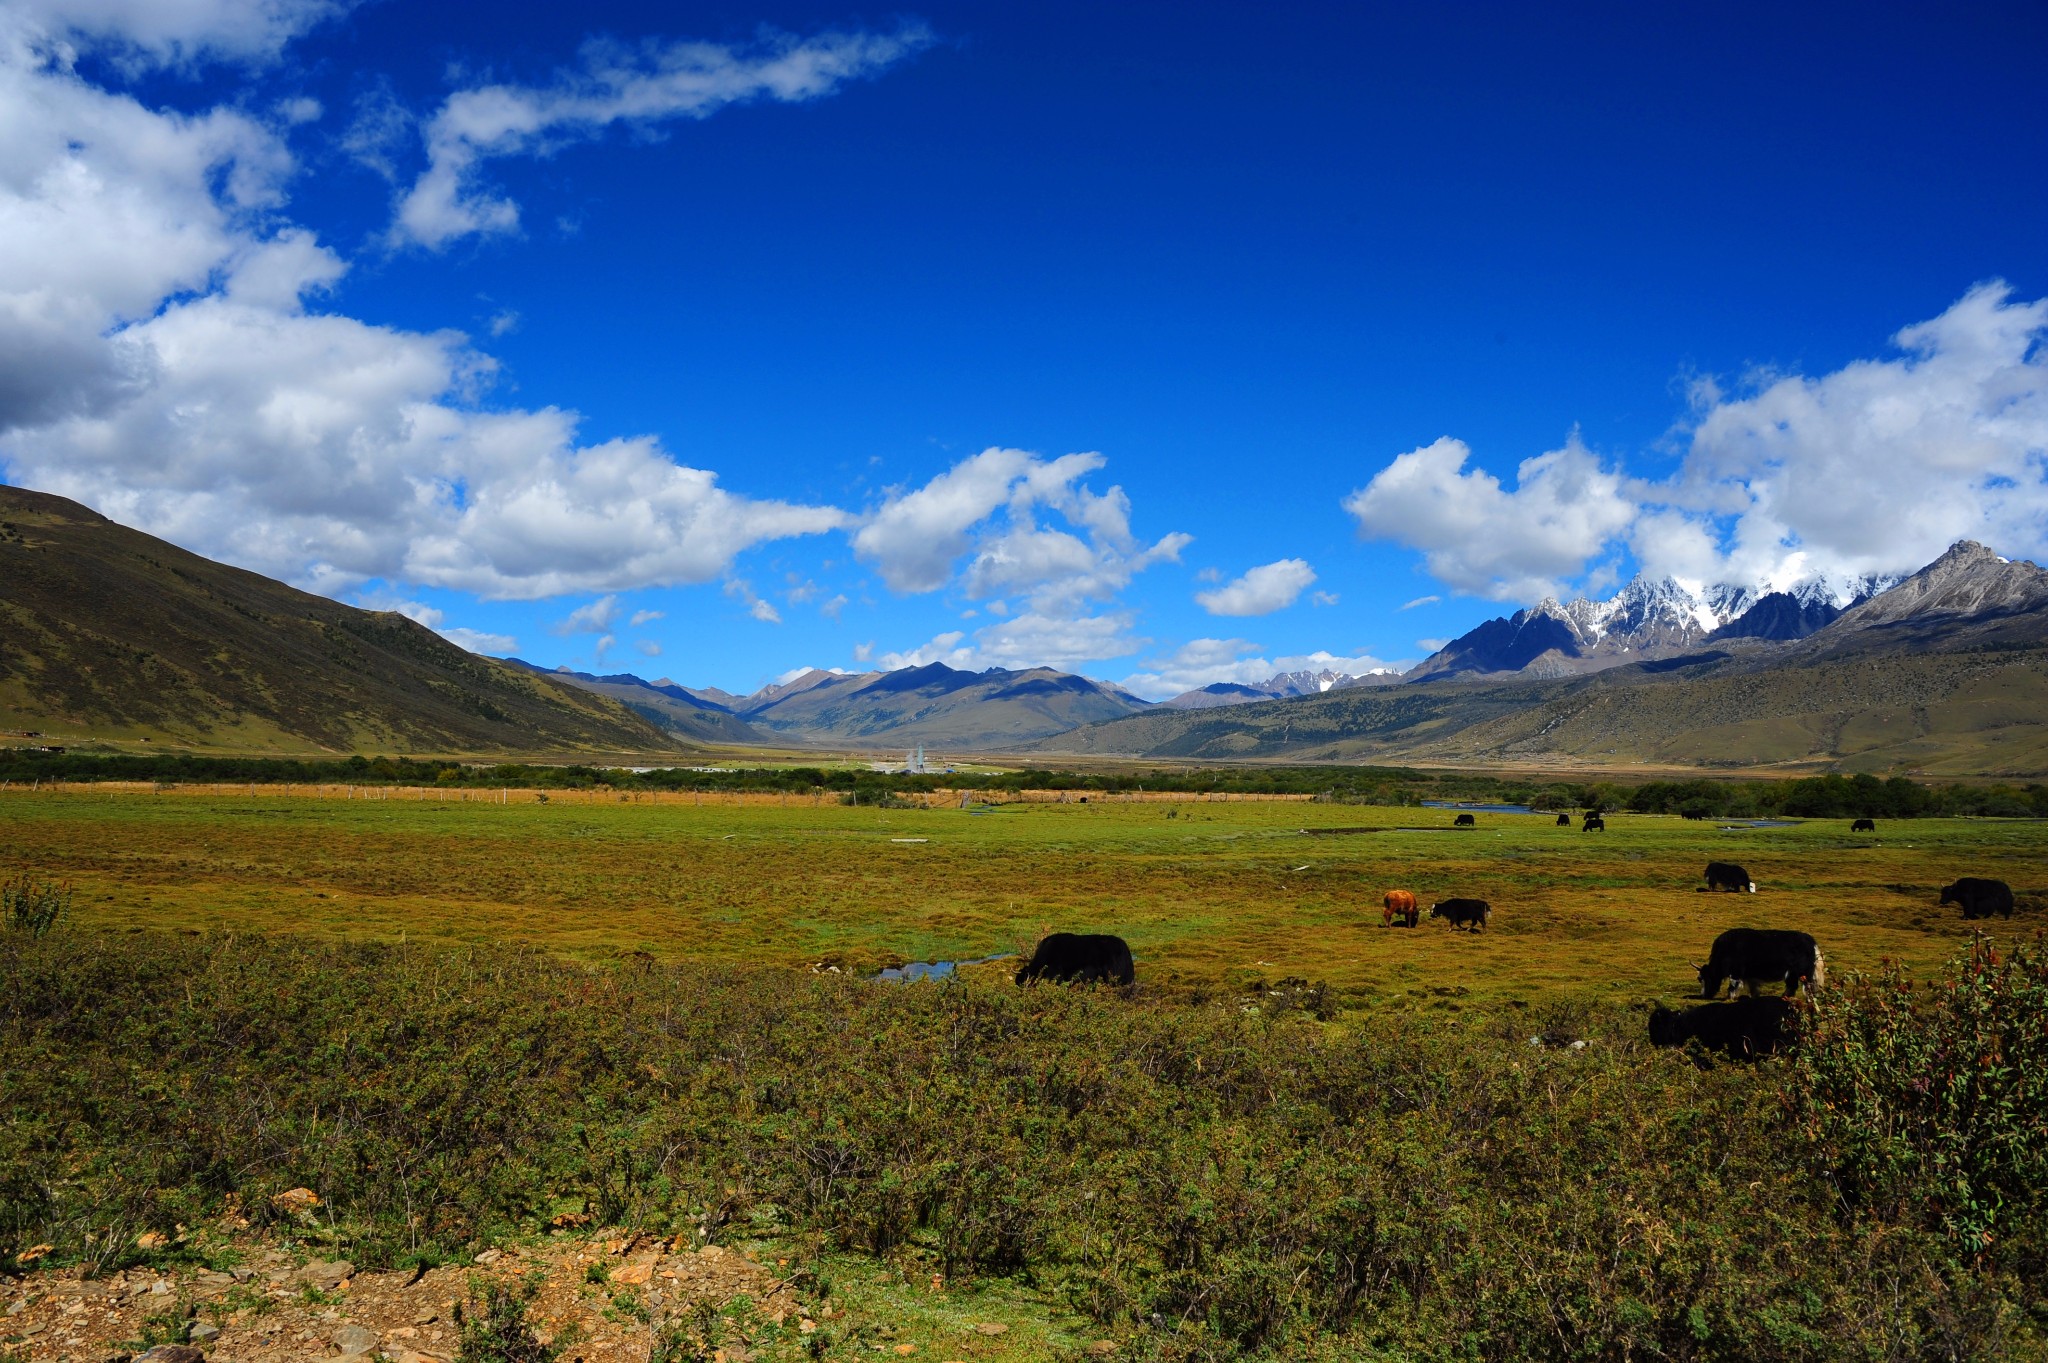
(1816, 797)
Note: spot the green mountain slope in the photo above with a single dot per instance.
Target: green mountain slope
(109, 633)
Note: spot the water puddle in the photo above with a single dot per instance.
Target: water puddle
(1462, 807)
(933, 970)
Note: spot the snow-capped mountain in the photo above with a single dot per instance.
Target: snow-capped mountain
(1277, 687)
(1643, 622)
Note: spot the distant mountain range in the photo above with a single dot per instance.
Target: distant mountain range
(108, 633)
(1643, 622)
(1277, 687)
(1945, 672)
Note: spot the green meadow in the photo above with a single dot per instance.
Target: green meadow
(1210, 894)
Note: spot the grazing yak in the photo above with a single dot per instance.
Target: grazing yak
(1980, 898)
(1464, 821)
(1400, 908)
(1863, 826)
(1464, 913)
(1726, 875)
(1564, 821)
(1084, 958)
(1743, 1028)
(1593, 823)
(1749, 956)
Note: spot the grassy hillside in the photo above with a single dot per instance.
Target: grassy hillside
(1980, 711)
(107, 633)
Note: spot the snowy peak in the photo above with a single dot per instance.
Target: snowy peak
(1967, 581)
(1277, 687)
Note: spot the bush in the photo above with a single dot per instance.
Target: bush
(33, 906)
(1410, 1186)
(1930, 1106)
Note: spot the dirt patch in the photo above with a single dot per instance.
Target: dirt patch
(273, 1306)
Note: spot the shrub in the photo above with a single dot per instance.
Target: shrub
(33, 906)
(1930, 1106)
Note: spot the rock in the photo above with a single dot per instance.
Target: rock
(172, 1353)
(632, 1275)
(202, 1332)
(991, 1328)
(354, 1340)
(326, 1274)
(490, 1256)
(1102, 1347)
(297, 1200)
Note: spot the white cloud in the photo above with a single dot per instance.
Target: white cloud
(1025, 641)
(594, 617)
(649, 647)
(639, 86)
(1323, 598)
(1874, 468)
(863, 652)
(476, 641)
(1205, 662)
(1877, 467)
(1261, 591)
(179, 32)
(830, 609)
(1476, 536)
(645, 617)
(1419, 601)
(503, 322)
(1431, 644)
(157, 362)
(761, 610)
(988, 508)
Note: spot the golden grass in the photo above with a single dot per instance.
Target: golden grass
(1208, 892)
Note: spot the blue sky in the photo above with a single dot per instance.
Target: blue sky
(1166, 343)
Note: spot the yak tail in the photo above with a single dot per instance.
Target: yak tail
(1752, 887)
(1820, 969)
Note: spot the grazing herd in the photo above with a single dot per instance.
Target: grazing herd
(1742, 960)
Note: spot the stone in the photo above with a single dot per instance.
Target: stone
(327, 1274)
(1102, 1347)
(490, 1256)
(299, 1200)
(202, 1332)
(354, 1340)
(991, 1328)
(632, 1275)
(172, 1353)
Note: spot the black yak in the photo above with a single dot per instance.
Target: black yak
(1083, 958)
(1749, 956)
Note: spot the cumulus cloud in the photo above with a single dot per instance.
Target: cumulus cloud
(141, 33)
(158, 361)
(761, 610)
(990, 510)
(1876, 467)
(641, 87)
(1479, 537)
(1025, 641)
(592, 618)
(1205, 662)
(1261, 591)
(644, 617)
(476, 641)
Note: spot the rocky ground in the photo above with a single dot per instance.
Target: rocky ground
(604, 1295)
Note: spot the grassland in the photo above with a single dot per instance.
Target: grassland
(1211, 894)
